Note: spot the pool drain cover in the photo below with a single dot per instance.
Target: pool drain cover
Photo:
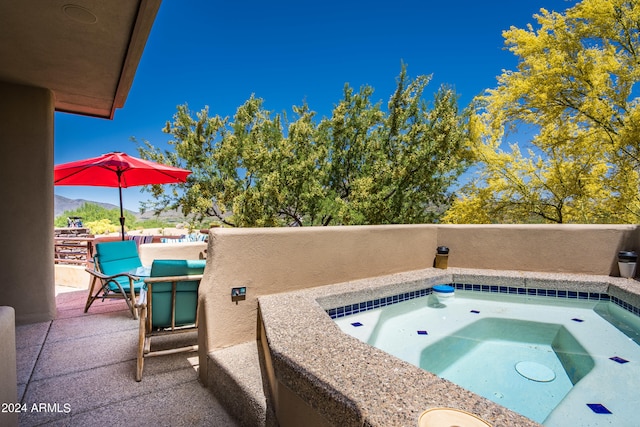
(535, 372)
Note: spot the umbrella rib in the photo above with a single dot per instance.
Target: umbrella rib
(80, 170)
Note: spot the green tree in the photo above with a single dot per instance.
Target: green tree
(245, 172)
(395, 166)
(574, 90)
(360, 166)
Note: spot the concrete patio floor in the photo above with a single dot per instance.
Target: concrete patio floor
(79, 370)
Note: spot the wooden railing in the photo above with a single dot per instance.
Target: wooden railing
(73, 246)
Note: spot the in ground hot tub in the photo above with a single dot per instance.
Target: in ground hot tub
(546, 358)
(319, 373)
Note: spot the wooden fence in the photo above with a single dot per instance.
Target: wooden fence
(73, 246)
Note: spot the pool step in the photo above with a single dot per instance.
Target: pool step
(235, 379)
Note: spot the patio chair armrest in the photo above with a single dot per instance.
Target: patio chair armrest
(106, 277)
(173, 278)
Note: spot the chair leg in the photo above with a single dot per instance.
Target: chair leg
(133, 300)
(141, 342)
(131, 306)
(147, 345)
(91, 298)
(129, 299)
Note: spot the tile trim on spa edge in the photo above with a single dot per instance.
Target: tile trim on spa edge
(349, 309)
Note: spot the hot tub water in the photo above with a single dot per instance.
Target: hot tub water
(556, 361)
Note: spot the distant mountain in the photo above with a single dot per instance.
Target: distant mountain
(61, 204)
(169, 216)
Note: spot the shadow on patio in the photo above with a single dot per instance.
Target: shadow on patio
(79, 370)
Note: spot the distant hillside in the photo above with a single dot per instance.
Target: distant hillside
(61, 204)
(169, 216)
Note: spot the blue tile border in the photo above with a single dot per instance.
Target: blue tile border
(626, 306)
(347, 310)
(350, 309)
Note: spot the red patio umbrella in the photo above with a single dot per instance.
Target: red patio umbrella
(117, 170)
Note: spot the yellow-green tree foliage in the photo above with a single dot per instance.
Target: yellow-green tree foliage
(362, 165)
(100, 218)
(101, 226)
(574, 91)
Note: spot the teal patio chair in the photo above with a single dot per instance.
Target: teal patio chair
(168, 304)
(115, 274)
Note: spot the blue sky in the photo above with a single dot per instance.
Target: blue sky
(216, 54)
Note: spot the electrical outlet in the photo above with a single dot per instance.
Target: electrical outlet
(238, 294)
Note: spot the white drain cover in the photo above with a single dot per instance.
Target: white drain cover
(535, 371)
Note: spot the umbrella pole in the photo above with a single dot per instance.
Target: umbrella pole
(121, 210)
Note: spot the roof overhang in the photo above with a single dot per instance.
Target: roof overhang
(86, 52)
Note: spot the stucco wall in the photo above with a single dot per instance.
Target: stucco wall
(268, 261)
(26, 266)
(73, 276)
(186, 250)
(588, 249)
(8, 369)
